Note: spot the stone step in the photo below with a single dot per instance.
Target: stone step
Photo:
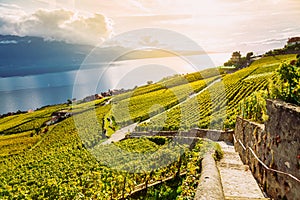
(234, 166)
(237, 180)
(231, 158)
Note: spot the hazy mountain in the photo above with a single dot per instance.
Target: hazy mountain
(21, 56)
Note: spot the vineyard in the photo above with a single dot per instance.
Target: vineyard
(27, 121)
(217, 107)
(169, 82)
(142, 107)
(62, 167)
(67, 160)
(284, 85)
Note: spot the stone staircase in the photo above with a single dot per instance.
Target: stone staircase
(237, 180)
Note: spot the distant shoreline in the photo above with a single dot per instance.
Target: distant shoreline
(137, 55)
(35, 91)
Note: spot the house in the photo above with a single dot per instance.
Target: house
(30, 111)
(293, 41)
(58, 116)
(106, 94)
(236, 57)
(98, 96)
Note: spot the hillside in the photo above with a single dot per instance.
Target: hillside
(66, 159)
(174, 102)
(214, 108)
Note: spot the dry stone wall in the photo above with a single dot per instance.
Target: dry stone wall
(215, 135)
(277, 145)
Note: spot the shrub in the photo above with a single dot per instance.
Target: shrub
(254, 107)
(158, 140)
(286, 85)
(218, 155)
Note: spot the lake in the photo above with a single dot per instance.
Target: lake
(31, 92)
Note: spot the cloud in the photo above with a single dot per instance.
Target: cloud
(61, 25)
(9, 6)
(8, 42)
(268, 41)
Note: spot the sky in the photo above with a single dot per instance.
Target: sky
(215, 25)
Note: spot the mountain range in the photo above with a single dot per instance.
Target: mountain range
(22, 56)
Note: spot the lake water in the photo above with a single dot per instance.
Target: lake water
(31, 92)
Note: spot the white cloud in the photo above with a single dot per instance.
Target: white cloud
(8, 42)
(214, 24)
(63, 25)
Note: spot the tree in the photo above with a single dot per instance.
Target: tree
(149, 82)
(286, 85)
(69, 102)
(228, 63)
(249, 54)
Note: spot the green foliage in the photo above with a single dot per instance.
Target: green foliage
(139, 155)
(165, 190)
(81, 107)
(254, 107)
(28, 121)
(69, 161)
(16, 143)
(191, 77)
(286, 85)
(242, 62)
(218, 155)
(90, 125)
(288, 49)
(229, 63)
(191, 181)
(141, 107)
(158, 140)
(110, 124)
(248, 55)
(208, 109)
(169, 82)
(61, 167)
(217, 107)
(271, 60)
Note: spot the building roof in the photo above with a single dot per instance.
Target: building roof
(294, 39)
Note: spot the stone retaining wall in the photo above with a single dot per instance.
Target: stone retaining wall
(215, 135)
(210, 186)
(277, 145)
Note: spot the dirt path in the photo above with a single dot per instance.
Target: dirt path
(120, 134)
(237, 180)
(189, 97)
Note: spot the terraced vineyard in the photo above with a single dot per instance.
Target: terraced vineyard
(27, 121)
(169, 82)
(67, 160)
(141, 107)
(216, 108)
(62, 167)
